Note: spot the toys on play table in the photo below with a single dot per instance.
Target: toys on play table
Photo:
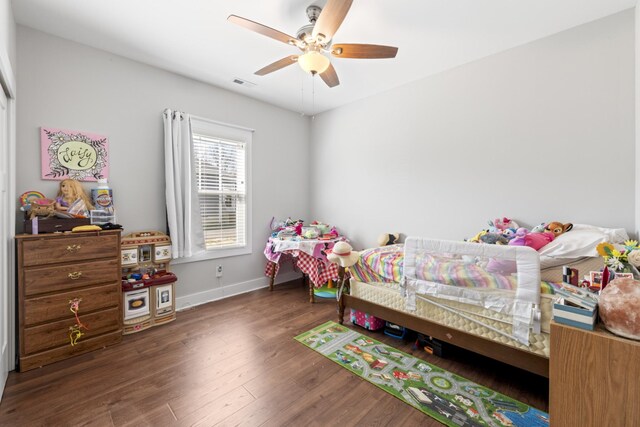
(295, 230)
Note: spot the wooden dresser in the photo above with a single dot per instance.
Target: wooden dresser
(593, 378)
(69, 295)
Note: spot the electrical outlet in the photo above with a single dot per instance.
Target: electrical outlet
(219, 271)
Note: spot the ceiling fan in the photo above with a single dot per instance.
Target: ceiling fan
(315, 41)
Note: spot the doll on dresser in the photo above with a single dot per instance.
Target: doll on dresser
(72, 199)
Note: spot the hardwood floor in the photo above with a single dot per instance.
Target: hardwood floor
(233, 362)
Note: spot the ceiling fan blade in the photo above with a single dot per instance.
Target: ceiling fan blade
(281, 63)
(331, 18)
(330, 77)
(262, 29)
(363, 51)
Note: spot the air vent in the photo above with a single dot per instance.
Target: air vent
(243, 82)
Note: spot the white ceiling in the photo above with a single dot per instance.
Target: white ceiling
(194, 39)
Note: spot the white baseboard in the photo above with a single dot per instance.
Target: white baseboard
(189, 301)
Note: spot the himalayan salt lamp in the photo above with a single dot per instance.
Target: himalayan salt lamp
(619, 307)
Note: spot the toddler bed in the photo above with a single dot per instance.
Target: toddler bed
(462, 293)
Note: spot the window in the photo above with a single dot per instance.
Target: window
(222, 166)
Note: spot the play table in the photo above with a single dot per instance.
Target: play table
(307, 255)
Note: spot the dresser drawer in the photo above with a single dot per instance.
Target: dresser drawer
(57, 307)
(56, 334)
(69, 249)
(38, 280)
(28, 362)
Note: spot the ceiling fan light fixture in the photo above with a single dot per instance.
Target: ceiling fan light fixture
(313, 62)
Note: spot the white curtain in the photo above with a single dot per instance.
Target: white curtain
(183, 206)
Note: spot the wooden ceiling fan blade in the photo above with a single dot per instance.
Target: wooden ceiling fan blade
(363, 51)
(262, 29)
(281, 63)
(330, 19)
(330, 77)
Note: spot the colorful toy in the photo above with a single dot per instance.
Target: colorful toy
(534, 240)
(28, 197)
(558, 228)
(476, 238)
(322, 228)
(503, 223)
(509, 233)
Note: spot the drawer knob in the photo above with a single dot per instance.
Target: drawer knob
(73, 248)
(75, 275)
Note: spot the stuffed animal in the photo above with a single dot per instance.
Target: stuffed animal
(558, 228)
(504, 223)
(476, 238)
(539, 228)
(46, 208)
(509, 233)
(386, 239)
(494, 239)
(534, 240)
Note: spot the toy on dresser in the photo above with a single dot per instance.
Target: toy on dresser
(147, 284)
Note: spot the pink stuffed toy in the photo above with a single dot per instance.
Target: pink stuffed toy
(534, 240)
(504, 223)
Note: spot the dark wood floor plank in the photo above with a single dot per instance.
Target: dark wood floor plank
(233, 362)
(281, 396)
(159, 416)
(219, 408)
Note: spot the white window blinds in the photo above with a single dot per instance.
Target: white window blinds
(221, 176)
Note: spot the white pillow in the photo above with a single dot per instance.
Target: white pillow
(581, 241)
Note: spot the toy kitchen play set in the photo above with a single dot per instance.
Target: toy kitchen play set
(148, 287)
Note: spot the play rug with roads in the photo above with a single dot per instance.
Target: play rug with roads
(449, 398)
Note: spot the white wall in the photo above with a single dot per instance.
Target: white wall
(67, 85)
(541, 132)
(7, 35)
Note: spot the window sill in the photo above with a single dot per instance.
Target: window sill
(213, 254)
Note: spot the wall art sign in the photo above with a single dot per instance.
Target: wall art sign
(72, 154)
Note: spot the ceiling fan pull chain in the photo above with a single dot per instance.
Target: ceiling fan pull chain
(302, 95)
(313, 96)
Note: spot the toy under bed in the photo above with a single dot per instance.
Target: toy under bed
(462, 293)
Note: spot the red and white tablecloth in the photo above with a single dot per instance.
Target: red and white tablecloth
(307, 255)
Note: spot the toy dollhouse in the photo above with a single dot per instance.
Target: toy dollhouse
(148, 287)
